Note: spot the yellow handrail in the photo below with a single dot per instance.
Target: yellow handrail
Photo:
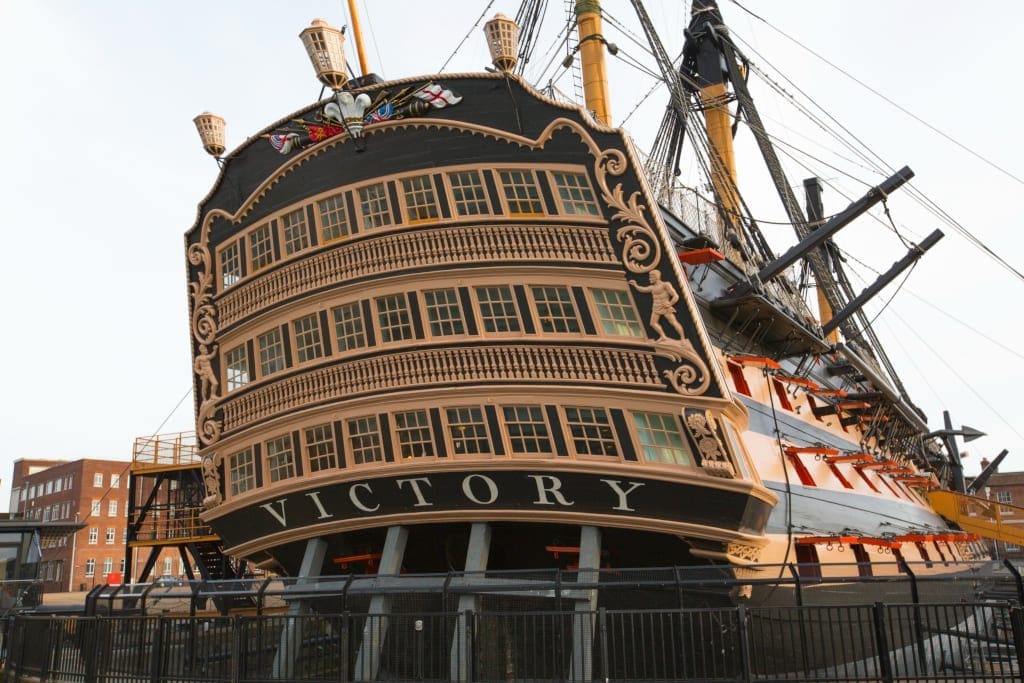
(987, 518)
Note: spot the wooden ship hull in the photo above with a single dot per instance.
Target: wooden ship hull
(443, 324)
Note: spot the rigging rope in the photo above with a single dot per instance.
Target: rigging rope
(465, 37)
(881, 96)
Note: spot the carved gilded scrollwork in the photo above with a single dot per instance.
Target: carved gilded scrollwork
(641, 253)
(204, 331)
(714, 461)
(211, 478)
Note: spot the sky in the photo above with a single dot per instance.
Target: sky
(105, 172)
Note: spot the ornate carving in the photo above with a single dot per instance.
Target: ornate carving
(713, 458)
(641, 253)
(664, 297)
(204, 332)
(211, 477)
(743, 552)
(209, 386)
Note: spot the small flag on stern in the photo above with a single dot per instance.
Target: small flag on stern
(437, 96)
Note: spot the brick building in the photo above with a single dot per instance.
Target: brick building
(94, 492)
(1007, 489)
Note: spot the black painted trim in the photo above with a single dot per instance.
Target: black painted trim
(525, 314)
(623, 435)
(355, 226)
(437, 430)
(442, 196)
(415, 314)
(555, 427)
(491, 183)
(297, 453)
(286, 342)
(314, 234)
(468, 314)
(494, 427)
(257, 460)
(580, 297)
(368, 328)
(396, 206)
(339, 444)
(325, 334)
(384, 425)
(545, 192)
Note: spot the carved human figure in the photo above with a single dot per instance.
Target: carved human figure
(664, 297)
(212, 480)
(208, 384)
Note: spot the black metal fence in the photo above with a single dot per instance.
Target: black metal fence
(979, 641)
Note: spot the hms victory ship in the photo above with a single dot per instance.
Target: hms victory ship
(453, 322)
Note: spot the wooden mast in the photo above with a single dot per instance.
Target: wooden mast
(591, 48)
(357, 34)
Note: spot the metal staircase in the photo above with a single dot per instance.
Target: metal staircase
(987, 518)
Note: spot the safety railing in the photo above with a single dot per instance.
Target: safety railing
(878, 642)
(165, 450)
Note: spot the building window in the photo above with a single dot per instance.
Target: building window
(90, 567)
(575, 195)
(661, 439)
(296, 235)
(58, 485)
(320, 448)
(555, 309)
(308, 344)
(616, 313)
(333, 219)
(167, 566)
(94, 535)
(111, 534)
(108, 566)
(468, 193)
(420, 202)
(271, 352)
(468, 431)
(348, 327)
(280, 458)
(393, 318)
(95, 511)
(237, 362)
(230, 265)
(591, 431)
(97, 480)
(364, 440)
(241, 472)
(444, 313)
(521, 194)
(112, 508)
(498, 309)
(414, 437)
(49, 487)
(261, 248)
(115, 481)
(1004, 497)
(373, 206)
(527, 429)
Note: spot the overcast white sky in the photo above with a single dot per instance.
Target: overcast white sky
(104, 172)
